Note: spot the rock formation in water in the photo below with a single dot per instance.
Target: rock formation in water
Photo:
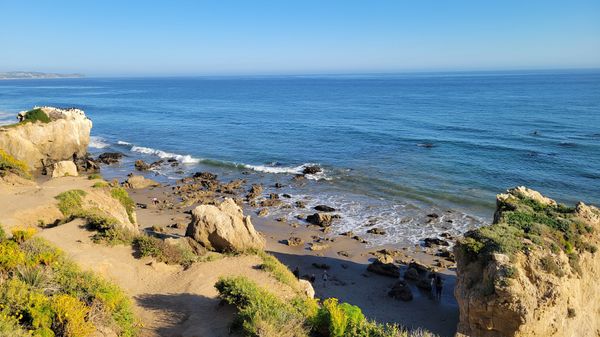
(224, 228)
(533, 272)
(47, 135)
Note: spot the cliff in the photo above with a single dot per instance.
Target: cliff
(46, 135)
(533, 272)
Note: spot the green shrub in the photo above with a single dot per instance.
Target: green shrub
(2, 234)
(70, 203)
(36, 115)
(100, 184)
(549, 265)
(169, 253)
(261, 313)
(123, 197)
(94, 176)
(280, 271)
(8, 164)
(43, 292)
(115, 236)
(21, 235)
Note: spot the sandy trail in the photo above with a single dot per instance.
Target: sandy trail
(169, 301)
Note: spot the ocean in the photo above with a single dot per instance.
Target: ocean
(394, 148)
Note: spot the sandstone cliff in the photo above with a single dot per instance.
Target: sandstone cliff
(46, 135)
(533, 272)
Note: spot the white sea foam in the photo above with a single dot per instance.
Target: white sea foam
(120, 142)
(185, 159)
(98, 142)
(288, 170)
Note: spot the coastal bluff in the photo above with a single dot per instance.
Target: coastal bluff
(45, 135)
(533, 272)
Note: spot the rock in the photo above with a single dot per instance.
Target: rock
(307, 288)
(141, 165)
(263, 212)
(140, 205)
(359, 239)
(385, 269)
(536, 287)
(313, 169)
(110, 157)
(376, 231)
(255, 191)
(320, 219)
(348, 234)
(316, 246)
(285, 195)
(419, 267)
(343, 253)
(139, 182)
(85, 163)
(65, 136)
(273, 196)
(433, 215)
(431, 242)
(411, 274)
(401, 291)
(270, 203)
(324, 208)
(424, 284)
(294, 241)
(205, 176)
(224, 228)
(300, 204)
(64, 168)
(278, 185)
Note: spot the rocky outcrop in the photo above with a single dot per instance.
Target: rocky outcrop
(224, 228)
(138, 182)
(64, 168)
(533, 272)
(63, 134)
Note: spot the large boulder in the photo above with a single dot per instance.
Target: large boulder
(320, 219)
(385, 269)
(64, 168)
(401, 291)
(65, 133)
(224, 228)
(138, 182)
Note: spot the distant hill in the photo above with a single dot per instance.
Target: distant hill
(13, 75)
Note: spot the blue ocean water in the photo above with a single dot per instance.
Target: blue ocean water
(393, 147)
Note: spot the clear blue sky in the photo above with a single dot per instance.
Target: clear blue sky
(109, 38)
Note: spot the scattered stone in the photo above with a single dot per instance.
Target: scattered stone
(205, 176)
(320, 219)
(85, 163)
(324, 208)
(263, 212)
(300, 204)
(140, 205)
(141, 165)
(348, 234)
(278, 185)
(255, 191)
(431, 242)
(433, 215)
(385, 269)
(359, 239)
(285, 195)
(294, 241)
(270, 202)
(273, 196)
(281, 220)
(343, 253)
(401, 291)
(377, 231)
(424, 284)
(307, 287)
(110, 157)
(316, 246)
(313, 169)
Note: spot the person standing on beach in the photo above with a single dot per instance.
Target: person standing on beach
(325, 277)
(438, 287)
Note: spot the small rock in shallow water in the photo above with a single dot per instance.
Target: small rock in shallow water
(377, 231)
(313, 169)
(324, 208)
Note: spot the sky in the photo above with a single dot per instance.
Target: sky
(221, 37)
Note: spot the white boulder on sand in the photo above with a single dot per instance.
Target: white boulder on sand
(138, 182)
(224, 228)
(63, 169)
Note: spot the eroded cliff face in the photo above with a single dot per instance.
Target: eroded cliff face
(38, 143)
(534, 272)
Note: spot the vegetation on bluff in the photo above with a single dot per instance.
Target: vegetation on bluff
(261, 313)
(8, 164)
(44, 294)
(523, 223)
(31, 116)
